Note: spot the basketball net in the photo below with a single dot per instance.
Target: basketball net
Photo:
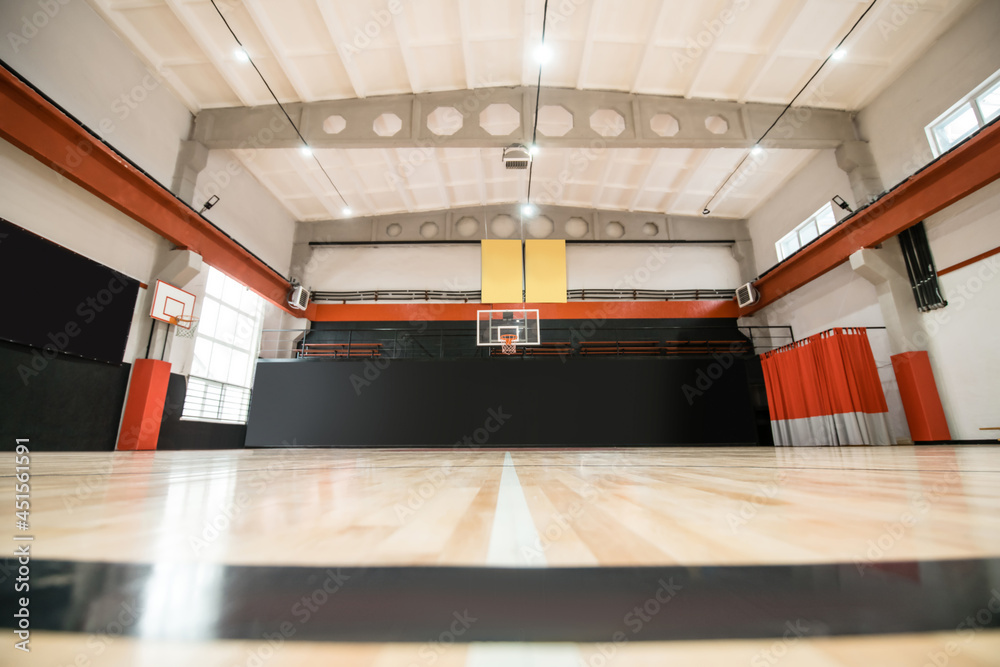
(509, 342)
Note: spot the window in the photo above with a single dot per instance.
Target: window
(814, 227)
(980, 107)
(225, 352)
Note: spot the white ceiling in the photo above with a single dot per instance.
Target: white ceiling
(311, 50)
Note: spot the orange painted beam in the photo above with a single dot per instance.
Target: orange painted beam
(945, 181)
(574, 310)
(41, 130)
(147, 393)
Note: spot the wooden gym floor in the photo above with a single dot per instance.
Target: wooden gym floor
(825, 556)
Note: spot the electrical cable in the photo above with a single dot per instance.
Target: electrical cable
(538, 93)
(305, 144)
(788, 106)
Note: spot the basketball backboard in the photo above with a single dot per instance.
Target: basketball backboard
(494, 325)
(172, 302)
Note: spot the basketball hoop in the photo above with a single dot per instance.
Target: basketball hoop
(509, 343)
(185, 327)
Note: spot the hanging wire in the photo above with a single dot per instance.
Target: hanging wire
(305, 144)
(538, 93)
(707, 209)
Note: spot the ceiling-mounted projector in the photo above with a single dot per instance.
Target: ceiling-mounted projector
(516, 156)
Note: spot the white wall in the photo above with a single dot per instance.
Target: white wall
(654, 267)
(80, 62)
(246, 210)
(46, 203)
(802, 195)
(457, 267)
(893, 124)
(961, 338)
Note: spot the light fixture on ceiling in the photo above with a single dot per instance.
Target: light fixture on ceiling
(543, 53)
(839, 54)
(528, 210)
(346, 210)
(756, 150)
(516, 156)
(306, 151)
(533, 149)
(705, 211)
(212, 201)
(839, 201)
(242, 55)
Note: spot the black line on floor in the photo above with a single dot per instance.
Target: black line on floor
(192, 601)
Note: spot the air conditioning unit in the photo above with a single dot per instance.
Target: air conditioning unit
(298, 298)
(516, 157)
(747, 295)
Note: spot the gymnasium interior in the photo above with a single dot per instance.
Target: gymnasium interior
(604, 333)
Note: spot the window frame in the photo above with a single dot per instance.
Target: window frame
(194, 411)
(795, 235)
(973, 101)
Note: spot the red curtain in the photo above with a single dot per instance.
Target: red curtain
(825, 390)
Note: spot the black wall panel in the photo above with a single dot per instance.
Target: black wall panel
(541, 402)
(69, 404)
(59, 301)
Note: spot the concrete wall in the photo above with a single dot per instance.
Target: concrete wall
(80, 62)
(964, 56)
(803, 195)
(246, 210)
(961, 338)
(457, 267)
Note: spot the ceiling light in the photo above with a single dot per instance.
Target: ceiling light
(242, 55)
(839, 54)
(756, 150)
(533, 149)
(346, 210)
(543, 54)
(528, 210)
(306, 151)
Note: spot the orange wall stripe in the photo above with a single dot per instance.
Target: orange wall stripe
(944, 182)
(575, 310)
(971, 260)
(41, 130)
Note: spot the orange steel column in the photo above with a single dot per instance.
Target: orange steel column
(924, 413)
(147, 393)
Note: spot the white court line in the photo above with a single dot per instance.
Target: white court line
(513, 537)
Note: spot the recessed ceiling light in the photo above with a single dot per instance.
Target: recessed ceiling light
(306, 151)
(543, 54)
(839, 54)
(241, 55)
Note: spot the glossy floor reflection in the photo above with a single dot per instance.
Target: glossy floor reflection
(531, 508)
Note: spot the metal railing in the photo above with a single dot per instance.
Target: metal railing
(460, 343)
(468, 296)
(765, 338)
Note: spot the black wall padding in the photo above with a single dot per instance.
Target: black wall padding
(71, 404)
(541, 402)
(177, 434)
(59, 301)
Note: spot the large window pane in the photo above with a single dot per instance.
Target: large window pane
(825, 218)
(226, 329)
(956, 127)
(788, 245)
(245, 329)
(215, 282)
(989, 103)
(232, 292)
(209, 317)
(218, 367)
(239, 368)
(808, 232)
